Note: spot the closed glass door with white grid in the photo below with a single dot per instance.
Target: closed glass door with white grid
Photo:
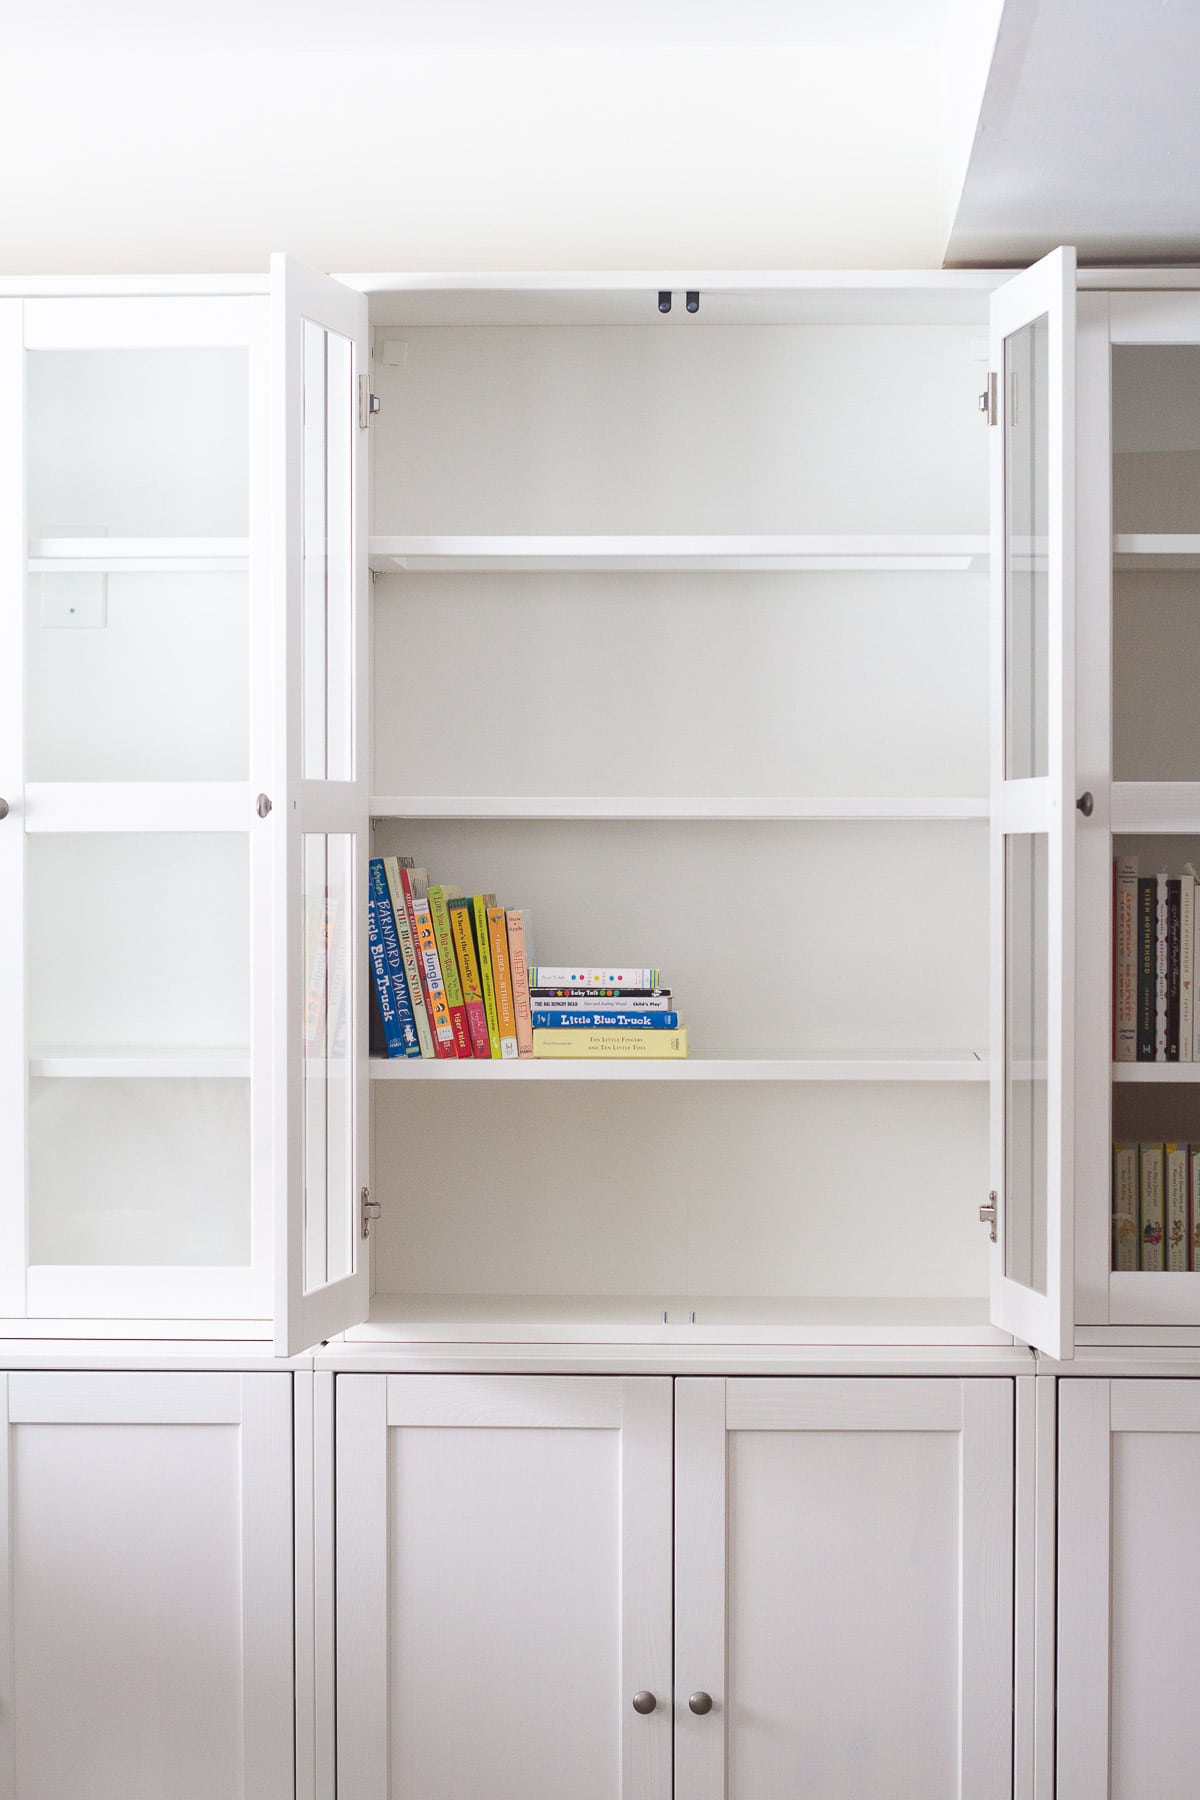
(139, 1044)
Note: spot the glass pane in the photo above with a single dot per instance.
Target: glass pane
(139, 1035)
(139, 443)
(138, 677)
(328, 1089)
(1156, 620)
(1026, 969)
(327, 555)
(140, 1172)
(1026, 544)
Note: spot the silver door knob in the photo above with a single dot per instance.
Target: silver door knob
(3, 809)
(262, 806)
(701, 1702)
(644, 1702)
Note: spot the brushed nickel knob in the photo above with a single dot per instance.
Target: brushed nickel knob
(3, 809)
(701, 1702)
(262, 806)
(644, 1702)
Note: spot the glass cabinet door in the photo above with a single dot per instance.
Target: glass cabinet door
(136, 1061)
(319, 347)
(1033, 800)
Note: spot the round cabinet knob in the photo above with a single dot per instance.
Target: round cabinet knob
(262, 806)
(700, 1703)
(1086, 805)
(644, 1702)
(3, 809)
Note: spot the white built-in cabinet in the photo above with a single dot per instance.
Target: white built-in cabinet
(146, 1586)
(840, 1552)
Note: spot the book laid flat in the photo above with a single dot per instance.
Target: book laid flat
(593, 1043)
(620, 1018)
(541, 977)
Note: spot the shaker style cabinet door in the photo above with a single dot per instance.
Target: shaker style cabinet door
(1128, 1591)
(843, 1589)
(1032, 414)
(146, 1586)
(503, 1587)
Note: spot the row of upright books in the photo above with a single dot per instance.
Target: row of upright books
(1156, 955)
(452, 979)
(1156, 1207)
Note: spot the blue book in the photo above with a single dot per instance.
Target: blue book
(554, 1017)
(383, 982)
(379, 906)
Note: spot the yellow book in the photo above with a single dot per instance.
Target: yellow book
(580, 1041)
(480, 904)
(506, 1018)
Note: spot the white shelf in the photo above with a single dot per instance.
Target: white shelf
(138, 556)
(397, 555)
(1161, 550)
(837, 1065)
(621, 1318)
(1157, 1072)
(1155, 806)
(698, 807)
(151, 1064)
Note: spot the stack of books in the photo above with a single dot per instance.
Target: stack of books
(1156, 1207)
(448, 970)
(1156, 953)
(600, 1012)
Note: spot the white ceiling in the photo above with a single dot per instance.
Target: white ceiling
(1089, 134)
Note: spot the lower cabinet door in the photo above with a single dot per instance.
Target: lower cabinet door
(146, 1585)
(844, 1589)
(1128, 1589)
(503, 1587)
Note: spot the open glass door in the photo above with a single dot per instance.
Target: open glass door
(1033, 801)
(319, 350)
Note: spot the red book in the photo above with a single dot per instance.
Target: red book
(443, 1041)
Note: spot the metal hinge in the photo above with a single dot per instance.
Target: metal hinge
(368, 402)
(987, 1214)
(371, 1209)
(989, 401)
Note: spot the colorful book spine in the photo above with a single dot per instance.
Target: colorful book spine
(1145, 969)
(1162, 960)
(1125, 882)
(380, 904)
(519, 968)
(1174, 971)
(1150, 1205)
(1175, 1160)
(480, 904)
(439, 898)
(440, 1021)
(620, 1019)
(1125, 1207)
(406, 932)
(597, 978)
(1194, 1196)
(382, 983)
(1187, 968)
(506, 1018)
(463, 933)
(589, 996)
(634, 1044)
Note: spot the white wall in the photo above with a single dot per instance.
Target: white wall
(810, 137)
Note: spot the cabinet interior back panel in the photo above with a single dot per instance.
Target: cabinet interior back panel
(1156, 437)
(1156, 672)
(767, 1189)
(775, 939)
(138, 443)
(722, 684)
(638, 429)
